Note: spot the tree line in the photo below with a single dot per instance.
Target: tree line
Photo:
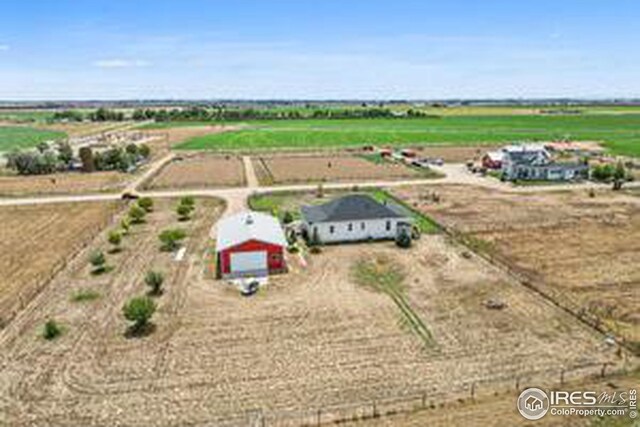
(58, 157)
(219, 113)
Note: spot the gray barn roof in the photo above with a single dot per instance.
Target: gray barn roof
(351, 208)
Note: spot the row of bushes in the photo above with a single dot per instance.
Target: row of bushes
(138, 310)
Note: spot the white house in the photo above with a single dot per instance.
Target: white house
(354, 218)
(533, 162)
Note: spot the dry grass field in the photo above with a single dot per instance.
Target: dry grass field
(313, 338)
(585, 249)
(85, 128)
(38, 240)
(201, 170)
(62, 183)
(319, 168)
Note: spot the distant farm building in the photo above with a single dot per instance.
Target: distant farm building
(492, 160)
(534, 162)
(354, 218)
(249, 244)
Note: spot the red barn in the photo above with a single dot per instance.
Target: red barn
(492, 160)
(249, 244)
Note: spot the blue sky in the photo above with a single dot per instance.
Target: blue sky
(323, 49)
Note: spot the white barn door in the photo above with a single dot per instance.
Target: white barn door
(249, 262)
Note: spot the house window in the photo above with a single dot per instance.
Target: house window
(388, 225)
(350, 227)
(331, 229)
(362, 225)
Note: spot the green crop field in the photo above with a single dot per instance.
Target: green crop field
(620, 133)
(12, 137)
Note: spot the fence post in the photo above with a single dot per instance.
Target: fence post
(424, 399)
(375, 410)
(517, 383)
(604, 368)
(473, 391)
(562, 376)
(318, 416)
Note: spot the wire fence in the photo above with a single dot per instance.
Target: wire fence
(552, 293)
(13, 303)
(424, 399)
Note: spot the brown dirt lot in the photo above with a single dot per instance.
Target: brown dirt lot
(202, 170)
(63, 183)
(320, 168)
(311, 339)
(586, 250)
(37, 241)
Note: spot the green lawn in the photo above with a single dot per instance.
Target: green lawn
(12, 137)
(619, 132)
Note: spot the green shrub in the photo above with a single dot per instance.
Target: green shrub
(146, 203)
(188, 201)
(154, 279)
(85, 295)
(184, 212)
(170, 239)
(115, 239)
(51, 330)
(144, 150)
(98, 261)
(125, 225)
(139, 310)
(602, 172)
(287, 217)
(137, 214)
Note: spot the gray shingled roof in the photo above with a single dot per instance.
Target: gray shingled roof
(351, 208)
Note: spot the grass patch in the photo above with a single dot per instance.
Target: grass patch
(272, 203)
(12, 137)
(618, 132)
(277, 203)
(384, 275)
(423, 222)
(374, 158)
(476, 244)
(85, 295)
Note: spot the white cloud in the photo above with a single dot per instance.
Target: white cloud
(4, 47)
(120, 63)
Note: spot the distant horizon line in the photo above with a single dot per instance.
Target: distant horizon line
(533, 100)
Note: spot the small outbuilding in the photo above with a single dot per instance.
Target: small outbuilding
(492, 160)
(249, 244)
